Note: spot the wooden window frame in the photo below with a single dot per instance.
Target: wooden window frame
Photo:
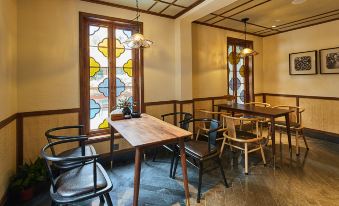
(86, 19)
(249, 70)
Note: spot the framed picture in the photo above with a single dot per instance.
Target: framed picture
(329, 61)
(303, 63)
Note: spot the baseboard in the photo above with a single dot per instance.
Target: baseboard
(3, 199)
(322, 135)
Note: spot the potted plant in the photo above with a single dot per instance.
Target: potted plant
(29, 178)
(122, 110)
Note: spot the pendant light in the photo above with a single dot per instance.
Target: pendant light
(246, 51)
(138, 40)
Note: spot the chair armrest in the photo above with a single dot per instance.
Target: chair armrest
(243, 140)
(62, 159)
(49, 135)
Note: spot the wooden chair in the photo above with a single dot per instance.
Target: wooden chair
(203, 127)
(262, 121)
(201, 151)
(235, 139)
(295, 117)
(83, 150)
(83, 182)
(183, 124)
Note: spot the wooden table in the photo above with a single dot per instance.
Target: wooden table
(149, 131)
(267, 112)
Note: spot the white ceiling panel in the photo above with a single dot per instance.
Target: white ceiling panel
(156, 7)
(173, 10)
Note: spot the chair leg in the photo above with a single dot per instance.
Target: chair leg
(155, 154)
(108, 199)
(280, 134)
(200, 181)
(172, 163)
(263, 155)
(297, 143)
(222, 171)
(222, 147)
(175, 167)
(102, 199)
(246, 159)
(198, 133)
(302, 132)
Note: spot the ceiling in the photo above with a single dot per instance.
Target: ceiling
(165, 8)
(281, 14)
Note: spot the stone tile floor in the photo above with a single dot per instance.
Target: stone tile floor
(310, 179)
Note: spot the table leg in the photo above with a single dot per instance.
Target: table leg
(273, 139)
(288, 131)
(137, 168)
(184, 170)
(112, 146)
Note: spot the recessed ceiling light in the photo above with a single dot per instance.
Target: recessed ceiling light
(295, 2)
(274, 26)
(277, 20)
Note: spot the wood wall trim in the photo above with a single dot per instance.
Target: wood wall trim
(226, 28)
(49, 112)
(128, 8)
(19, 140)
(188, 8)
(8, 120)
(185, 9)
(299, 96)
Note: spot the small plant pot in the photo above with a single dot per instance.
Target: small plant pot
(26, 194)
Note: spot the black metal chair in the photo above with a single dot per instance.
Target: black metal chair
(183, 124)
(201, 151)
(82, 150)
(84, 182)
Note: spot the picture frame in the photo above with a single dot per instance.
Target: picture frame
(329, 60)
(303, 63)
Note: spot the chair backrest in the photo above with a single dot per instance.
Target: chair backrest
(231, 125)
(258, 104)
(184, 117)
(52, 137)
(214, 126)
(295, 112)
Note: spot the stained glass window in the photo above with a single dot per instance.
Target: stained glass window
(108, 60)
(239, 77)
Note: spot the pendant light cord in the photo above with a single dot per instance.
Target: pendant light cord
(138, 12)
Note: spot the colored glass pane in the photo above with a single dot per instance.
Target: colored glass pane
(121, 36)
(124, 68)
(98, 62)
(97, 35)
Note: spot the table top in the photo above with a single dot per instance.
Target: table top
(251, 109)
(147, 130)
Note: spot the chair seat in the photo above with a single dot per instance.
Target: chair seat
(245, 135)
(79, 181)
(199, 148)
(75, 152)
(283, 124)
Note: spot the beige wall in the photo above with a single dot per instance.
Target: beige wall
(209, 60)
(8, 92)
(276, 60)
(48, 52)
(8, 58)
